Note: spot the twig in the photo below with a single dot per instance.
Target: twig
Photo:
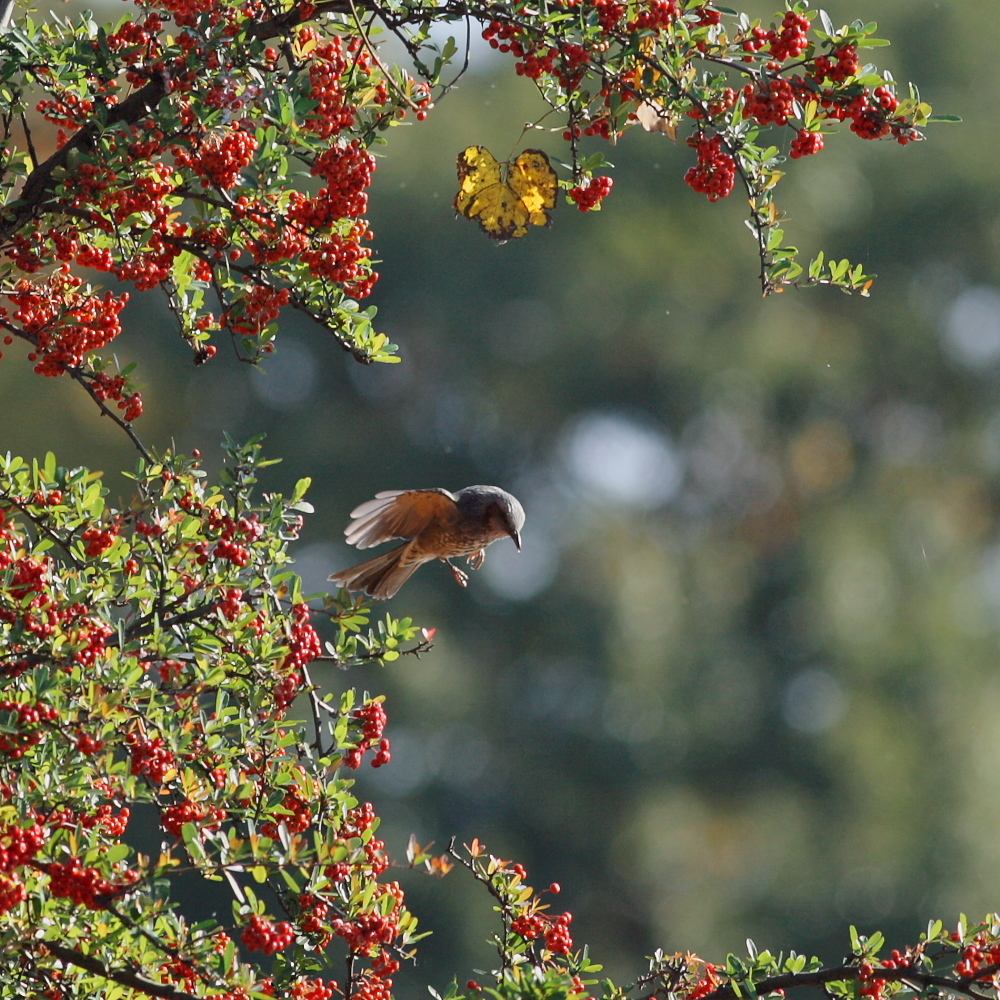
(142, 626)
(421, 647)
(372, 51)
(121, 976)
(819, 977)
(28, 139)
(315, 703)
(63, 543)
(78, 375)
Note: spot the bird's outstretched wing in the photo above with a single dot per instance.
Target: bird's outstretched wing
(397, 514)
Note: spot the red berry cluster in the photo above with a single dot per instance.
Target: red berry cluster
(98, 540)
(235, 536)
(874, 120)
(372, 987)
(365, 933)
(264, 935)
(770, 102)
(232, 605)
(345, 261)
(314, 989)
(717, 107)
(532, 926)
(220, 157)
(106, 387)
(589, 196)
(557, 938)
(104, 817)
(150, 757)
(715, 174)
(304, 644)
(981, 951)
(793, 38)
(347, 170)
(19, 844)
(85, 886)
(372, 718)
(254, 310)
(313, 912)
(138, 41)
(838, 67)
(327, 69)
(654, 16)
(89, 745)
(709, 983)
(30, 721)
(30, 575)
(806, 143)
(64, 324)
(207, 817)
(755, 40)
(12, 893)
(296, 816)
(356, 825)
(708, 16)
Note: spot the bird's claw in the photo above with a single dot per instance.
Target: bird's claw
(475, 561)
(462, 579)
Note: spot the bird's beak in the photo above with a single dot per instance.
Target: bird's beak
(516, 535)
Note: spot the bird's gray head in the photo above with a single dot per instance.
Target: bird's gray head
(500, 509)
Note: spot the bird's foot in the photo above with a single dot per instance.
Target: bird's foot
(475, 561)
(462, 579)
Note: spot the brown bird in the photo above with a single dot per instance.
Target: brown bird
(437, 525)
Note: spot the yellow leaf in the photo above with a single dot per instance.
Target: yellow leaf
(505, 199)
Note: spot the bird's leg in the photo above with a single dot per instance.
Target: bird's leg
(462, 579)
(476, 559)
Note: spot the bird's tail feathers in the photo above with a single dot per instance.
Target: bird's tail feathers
(380, 577)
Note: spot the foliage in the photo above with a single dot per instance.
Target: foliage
(198, 190)
(150, 657)
(150, 654)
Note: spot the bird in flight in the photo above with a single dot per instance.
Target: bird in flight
(436, 524)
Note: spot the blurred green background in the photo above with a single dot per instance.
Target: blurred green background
(743, 679)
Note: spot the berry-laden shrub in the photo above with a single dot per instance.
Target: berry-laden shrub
(152, 655)
(220, 150)
(149, 659)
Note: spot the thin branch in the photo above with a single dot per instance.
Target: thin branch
(421, 647)
(465, 62)
(63, 543)
(123, 977)
(41, 182)
(143, 625)
(351, 977)
(78, 375)
(283, 23)
(373, 52)
(28, 139)
(315, 704)
(819, 977)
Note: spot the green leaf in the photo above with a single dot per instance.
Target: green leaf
(117, 853)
